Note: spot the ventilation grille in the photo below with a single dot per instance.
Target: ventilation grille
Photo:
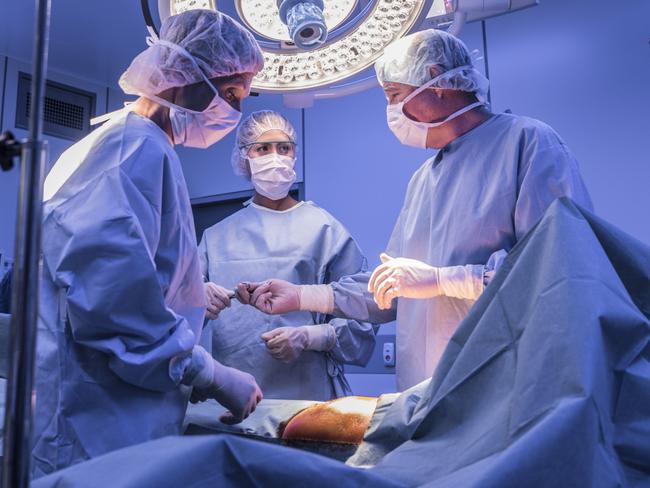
(66, 110)
(59, 112)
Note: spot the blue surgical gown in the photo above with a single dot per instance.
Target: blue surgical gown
(304, 245)
(468, 205)
(122, 301)
(546, 383)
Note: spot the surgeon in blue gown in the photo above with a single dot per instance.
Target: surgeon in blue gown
(122, 300)
(299, 355)
(489, 182)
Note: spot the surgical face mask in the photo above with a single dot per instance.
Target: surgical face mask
(192, 128)
(272, 175)
(202, 129)
(412, 132)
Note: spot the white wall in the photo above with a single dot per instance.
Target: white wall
(91, 43)
(584, 68)
(92, 40)
(9, 182)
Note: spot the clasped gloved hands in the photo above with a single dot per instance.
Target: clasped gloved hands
(278, 297)
(273, 297)
(286, 344)
(218, 299)
(403, 277)
(236, 390)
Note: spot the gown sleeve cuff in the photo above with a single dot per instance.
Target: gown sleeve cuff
(197, 369)
(321, 337)
(464, 282)
(317, 298)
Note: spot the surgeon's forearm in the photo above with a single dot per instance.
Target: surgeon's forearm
(348, 299)
(353, 301)
(195, 369)
(355, 341)
(320, 337)
(316, 298)
(468, 282)
(465, 282)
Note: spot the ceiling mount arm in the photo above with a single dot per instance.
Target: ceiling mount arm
(148, 18)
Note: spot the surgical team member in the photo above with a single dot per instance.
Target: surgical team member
(491, 180)
(299, 355)
(122, 300)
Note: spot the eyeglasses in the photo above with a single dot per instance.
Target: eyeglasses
(284, 148)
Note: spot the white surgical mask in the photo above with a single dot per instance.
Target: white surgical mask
(412, 132)
(192, 128)
(272, 175)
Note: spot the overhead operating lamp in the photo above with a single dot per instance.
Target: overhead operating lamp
(352, 48)
(305, 21)
(270, 19)
(325, 48)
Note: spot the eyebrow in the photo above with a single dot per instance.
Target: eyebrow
(236, 80)
(233, 84)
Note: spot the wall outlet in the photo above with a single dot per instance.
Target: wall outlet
(388, 354)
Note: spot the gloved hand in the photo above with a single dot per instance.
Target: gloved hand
(218, 299)
(287, 343)
(234, 389)
(271, 297)
(403, 277)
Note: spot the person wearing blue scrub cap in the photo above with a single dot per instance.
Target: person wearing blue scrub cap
(488, 184)
(122, 300)
(299, 355)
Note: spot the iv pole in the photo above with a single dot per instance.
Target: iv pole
(26, 274)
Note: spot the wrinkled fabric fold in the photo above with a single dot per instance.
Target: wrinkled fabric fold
(546, 381)
(122, 301)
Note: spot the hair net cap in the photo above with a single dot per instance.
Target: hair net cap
(409, 60)
(250, 130)
(219, 45)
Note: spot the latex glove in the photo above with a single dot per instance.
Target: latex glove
(403, 277)
(218, 299)
(271, 296)
(236, 390)
(287, 343)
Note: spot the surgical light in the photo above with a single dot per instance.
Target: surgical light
(315, 49)
(346, 55)
(179, 6)
(263, 17)
(305, 21)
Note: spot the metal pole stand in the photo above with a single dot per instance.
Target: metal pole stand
(26, 276)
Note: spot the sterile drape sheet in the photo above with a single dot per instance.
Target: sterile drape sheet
(547, 380)
(545, 383)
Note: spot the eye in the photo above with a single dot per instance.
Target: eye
(262, 149)
(285, 149)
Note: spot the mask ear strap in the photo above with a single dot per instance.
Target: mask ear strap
(433, 80)
(419, 90)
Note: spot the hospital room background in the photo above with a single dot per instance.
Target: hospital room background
(581, 66)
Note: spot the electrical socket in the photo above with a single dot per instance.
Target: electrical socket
(388, 354)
